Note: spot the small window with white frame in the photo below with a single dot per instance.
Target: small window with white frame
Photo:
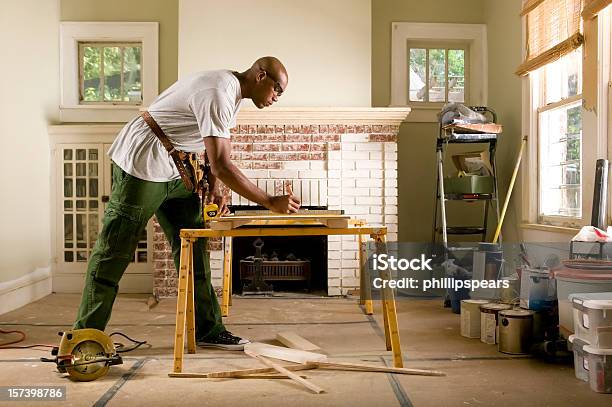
(559, 129)
(110, 73)
(108, 70)
(436, 63)
(437, 73)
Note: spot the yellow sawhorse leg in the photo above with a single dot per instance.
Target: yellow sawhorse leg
(227, 277)
(191, 339)
(365, 291)
(392, 338)
(185, 272)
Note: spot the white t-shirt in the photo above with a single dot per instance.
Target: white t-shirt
(201, 105)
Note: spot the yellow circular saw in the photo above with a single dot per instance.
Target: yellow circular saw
(85, 354)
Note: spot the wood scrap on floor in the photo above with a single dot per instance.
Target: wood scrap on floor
(306, 360)
(311, 386)
(242, 372)
(295, 341)
(383, 369)
(282, 353)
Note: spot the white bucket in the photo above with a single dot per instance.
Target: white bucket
(470, 317)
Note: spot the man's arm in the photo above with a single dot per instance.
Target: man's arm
(222, 167)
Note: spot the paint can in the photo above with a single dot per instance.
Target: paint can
(515, 331)
(470, 317)
(489, 321)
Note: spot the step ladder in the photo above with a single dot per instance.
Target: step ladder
(449, 136)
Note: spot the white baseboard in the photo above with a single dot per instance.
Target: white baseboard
(131, 283)
(24, 290)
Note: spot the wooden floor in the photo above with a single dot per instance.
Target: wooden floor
(477, 375)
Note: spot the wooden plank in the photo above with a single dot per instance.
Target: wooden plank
(190, 314)
(181, 307)
(350, 367)
(227, 275)
(311, 386)
(279, 221)
(243, 372)
(265, 212)
(365, 290)
(295, 341)
(286, 231)
(277, 216)
(382, 369)
(475, 128)
(288, 354)
(389, 310)
(267, 376)
(337, 223)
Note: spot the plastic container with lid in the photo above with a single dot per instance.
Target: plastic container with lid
(593, 318)
(599, 366)
(576, 281)
(580, 361)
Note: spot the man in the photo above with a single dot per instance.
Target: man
(195, 113)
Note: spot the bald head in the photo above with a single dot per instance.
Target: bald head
(271, 65)
(264, 82)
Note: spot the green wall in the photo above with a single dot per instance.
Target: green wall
(504, 38)
(163, 11)
(417, 141)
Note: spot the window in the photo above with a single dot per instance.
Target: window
(433, 63)
(108, 70)
(560, 138)
(436, 74)
(110, 73)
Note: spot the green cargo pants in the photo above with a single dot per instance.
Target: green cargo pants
(132, 203)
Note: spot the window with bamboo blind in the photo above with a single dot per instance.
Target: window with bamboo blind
(553, 30)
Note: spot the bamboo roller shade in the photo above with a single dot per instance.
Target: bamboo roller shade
(553, 30)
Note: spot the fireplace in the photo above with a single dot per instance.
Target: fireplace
(292, 263)
(336, 158)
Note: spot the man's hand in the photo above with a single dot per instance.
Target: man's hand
(217, 197)
(284, 204)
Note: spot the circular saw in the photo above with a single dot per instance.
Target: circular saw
(85, 354)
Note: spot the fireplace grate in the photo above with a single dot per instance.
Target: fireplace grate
(277, 270)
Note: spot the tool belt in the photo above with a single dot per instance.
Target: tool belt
(193, 174)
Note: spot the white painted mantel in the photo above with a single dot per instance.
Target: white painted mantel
(393, 116)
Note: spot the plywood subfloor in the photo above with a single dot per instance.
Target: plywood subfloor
(477, 375)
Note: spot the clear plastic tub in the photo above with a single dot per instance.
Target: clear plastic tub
(579, 358)
(575, 281)
(599, 365)
(593, 318)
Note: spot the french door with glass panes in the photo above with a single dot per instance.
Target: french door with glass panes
(83, 191)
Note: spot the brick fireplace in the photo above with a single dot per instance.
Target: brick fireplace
(339, 158)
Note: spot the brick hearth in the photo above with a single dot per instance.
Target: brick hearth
(344, 158)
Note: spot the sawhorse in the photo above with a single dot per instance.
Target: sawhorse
(185, 314)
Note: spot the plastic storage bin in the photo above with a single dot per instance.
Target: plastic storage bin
(599, 365)
(577, 281)
(580, 362)
(537, 289)
(593, 318)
